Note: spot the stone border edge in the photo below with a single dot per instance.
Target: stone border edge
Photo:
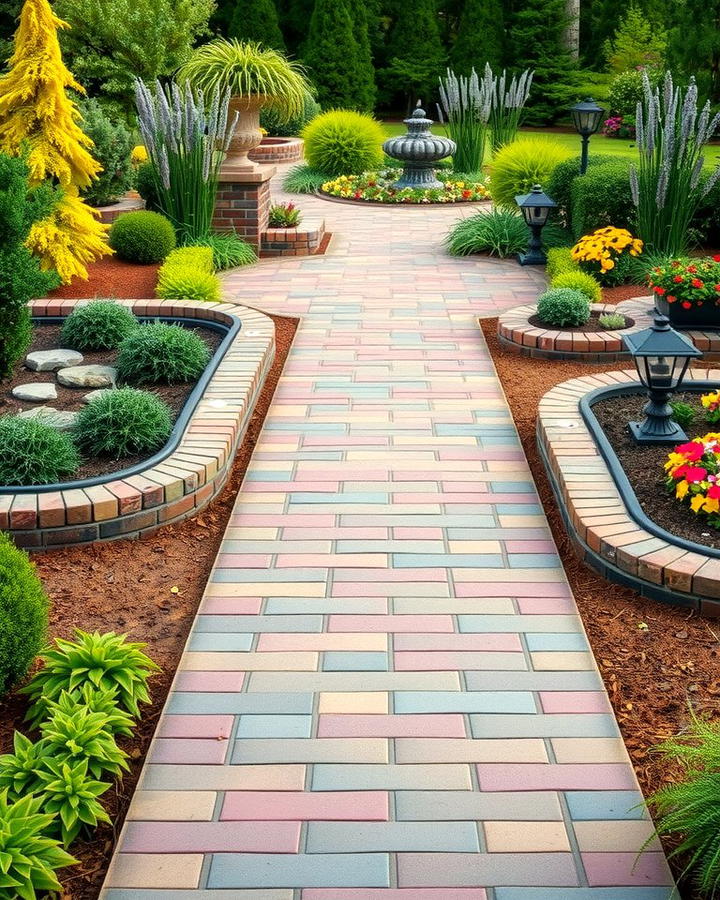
(185, 481)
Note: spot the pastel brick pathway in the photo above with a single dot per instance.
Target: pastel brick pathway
(387, 693)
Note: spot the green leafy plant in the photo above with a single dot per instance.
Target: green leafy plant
(29, 858)
(563, 307)
(184, 282)
(105, 661)
(559, 184)
(666, 185)
(83, 736)
(34, 453)
(194, 256)
(145, 180)
(142, 237)
(23, 613)
(499, 232)
(98, 325)
(103, 700)
(285, 215)
(162, 354)
(112, 145)
(579, 281)
(123, 422)
(559, 260)
(185, 133)
(228, 250)
(246, 69)
(602, 197)
(303, 179)
(343, 142)
(465, 106)
(70, 794)
(683, 413)
(689, 808)
(637, 42)
(18, 770)
(522, 164)
(275, 126)
(626, 91)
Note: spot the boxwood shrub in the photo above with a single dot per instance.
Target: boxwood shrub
(142, 237)
(602, 197)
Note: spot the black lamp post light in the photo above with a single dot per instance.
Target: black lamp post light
(535, 208)
(661, 357)
(586, 117)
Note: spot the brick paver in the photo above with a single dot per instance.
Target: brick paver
(388, 693)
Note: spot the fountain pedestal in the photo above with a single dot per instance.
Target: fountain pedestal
(419, 151)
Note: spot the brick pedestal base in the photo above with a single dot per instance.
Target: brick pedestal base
(243, 204)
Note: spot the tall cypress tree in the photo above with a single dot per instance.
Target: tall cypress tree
(538, 41)
(480, 37)
(256, 20)
(337, 53)
(416, 52)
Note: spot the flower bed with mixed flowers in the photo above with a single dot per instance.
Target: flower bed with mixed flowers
(377, 187)
(605, 253)
(693, 474)
(689, 282)
(619, 127)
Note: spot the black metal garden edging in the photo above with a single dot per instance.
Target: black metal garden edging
(230, 331)
(621, 480)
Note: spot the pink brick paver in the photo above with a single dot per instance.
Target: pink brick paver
(387, 669)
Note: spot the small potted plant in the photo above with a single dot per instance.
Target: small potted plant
(687, 291)
(255, 77)
(285, 215)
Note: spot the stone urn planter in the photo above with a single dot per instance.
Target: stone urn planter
(702, 318)
(247, 134)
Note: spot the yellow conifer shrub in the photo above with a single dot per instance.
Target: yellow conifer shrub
(38, 119)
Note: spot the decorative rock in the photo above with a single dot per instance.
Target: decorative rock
(48, 415)
(52, 360)
(95, 395)
(36, 393)
(88, 376)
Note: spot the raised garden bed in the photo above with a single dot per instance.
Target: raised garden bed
(187, 473)
(129, 203)
(278, 150)
(307, 239)
(377, 189)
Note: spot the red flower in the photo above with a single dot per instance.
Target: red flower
(714, 492)
(686, 305)
(696, 283)
(693, 474)
(678, 279)
(659, 290)
(692, 451)
(670, 299)
(717, 257)
(466, 194)
(691, 269)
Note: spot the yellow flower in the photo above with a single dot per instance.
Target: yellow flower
(682, 489)
(712, 505)
(139, 155)
(697, 502)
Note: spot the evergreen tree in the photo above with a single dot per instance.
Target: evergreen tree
(337, 54)
(537, 41)
(695, 43)
(9, 12)
(294, 18)
(636, 42)
(480, 37)
(416, 53)
(256, 20)
(39, 121)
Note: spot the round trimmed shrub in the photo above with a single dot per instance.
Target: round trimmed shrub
(563, 307)
(123, 422)
(579, 281)
(99, 325)
(145, 185)
(142, 237)
(23, 614)
(162, 354)
(34, 453)
(343, 142)
(520, 165)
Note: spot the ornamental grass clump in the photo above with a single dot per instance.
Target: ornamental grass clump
(123, 422)
(186, 132)
(666, 183)
(464, 109)
(98, 325)
(303, 179)
(499, 232)
(508, 102)
(343, 142)
(579, 281)
(34, 453)
(228, 250)
(162, 354)
(519, 166)
(563, 307)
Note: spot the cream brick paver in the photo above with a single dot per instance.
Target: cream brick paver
(388, 557)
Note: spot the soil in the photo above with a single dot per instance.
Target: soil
(654, 673)
(643, 465)
(149, 589)
(589, 327)
(47, 337)
(111, 278)
(623, 292)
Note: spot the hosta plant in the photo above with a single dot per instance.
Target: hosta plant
(29, 858)
(106, 661)
(18, 770)
(84, 736)
(101, 700)
(69, 793)
(693, 476)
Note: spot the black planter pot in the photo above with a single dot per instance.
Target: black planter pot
(702, 318)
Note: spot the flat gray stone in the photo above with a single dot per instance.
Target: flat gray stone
(96, 394)
(52, 360)
(88, 376)
(48, 415)
(35, 393)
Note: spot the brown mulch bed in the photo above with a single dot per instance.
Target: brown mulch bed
(643, 465)
(130, 586)
(624, 292)
(114, 279)
(47, 337)
(592, 326)
(652, 674)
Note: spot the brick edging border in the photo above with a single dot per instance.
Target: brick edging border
(190, 477)
(598, 521)
(278, 150)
